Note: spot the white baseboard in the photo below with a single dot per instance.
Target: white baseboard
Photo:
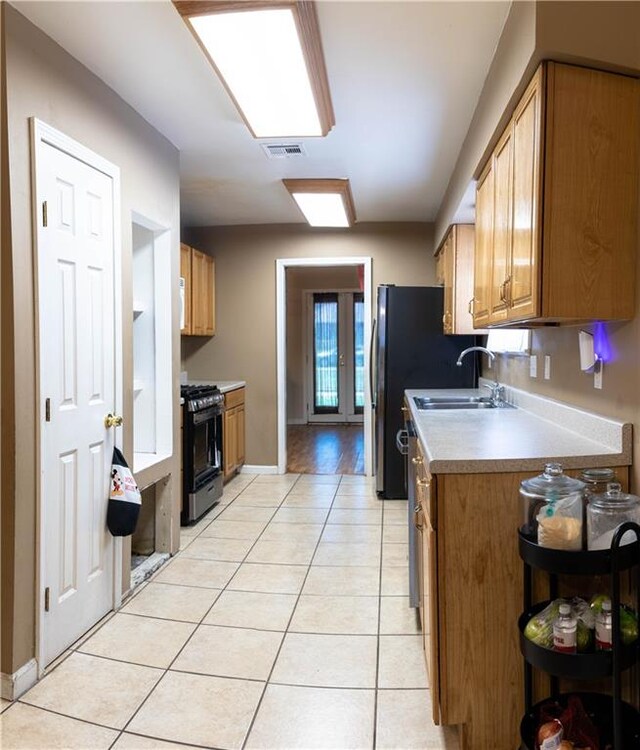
(298, 420)
(12, 686)
(255, 469)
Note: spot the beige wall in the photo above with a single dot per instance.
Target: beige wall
(299, 280)
(44, 81)
(244, 346)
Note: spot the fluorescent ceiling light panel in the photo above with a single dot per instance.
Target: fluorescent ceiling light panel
(270, 60)
(324, 203)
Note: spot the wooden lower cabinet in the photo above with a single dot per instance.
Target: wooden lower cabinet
(472, 594)
(233, 433)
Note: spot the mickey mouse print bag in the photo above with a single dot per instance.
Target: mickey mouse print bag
(124, 498)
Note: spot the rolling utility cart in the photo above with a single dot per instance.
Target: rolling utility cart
(617, 721)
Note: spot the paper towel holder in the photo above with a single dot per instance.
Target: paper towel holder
(590, 362)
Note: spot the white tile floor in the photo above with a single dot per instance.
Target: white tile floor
(282, 623)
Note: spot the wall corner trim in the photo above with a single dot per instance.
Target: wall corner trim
(12, 686)
(256, 469)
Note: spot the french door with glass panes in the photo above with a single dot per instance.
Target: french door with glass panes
(335, 356)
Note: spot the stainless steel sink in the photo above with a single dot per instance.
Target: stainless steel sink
(456, 402)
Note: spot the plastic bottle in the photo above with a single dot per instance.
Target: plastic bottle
(565, 631)
(604, 629)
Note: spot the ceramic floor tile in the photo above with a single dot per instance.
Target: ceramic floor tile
(4, 705)
(128, 741)
(142, 640)
(397, 617)
(315, 479)
(273, 579)
(395, 516)
(221, 529)
(354, 488)
(252, 499)
(282, 552)
(185, 541)
(343, 580)
(28, 728)
(318, 490)
(277, 479)
(199, 710)
(90, 688)
(350, 515)
(300, 515)
(402, 662)
(230, 652)
(244, 609)
(327, 661)
(171, 602)
(299, 532)
(315, 719)
(394, 554)
(340, 615)
(210, 548)
(188, 571)
(404, 723)
(253, 515)
(307, 501)
(395, 582)
(390, 533)
(349, 532)
(357, 502)
(347, 554)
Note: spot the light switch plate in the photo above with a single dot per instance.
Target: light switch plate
(597, 376)
(533, 366)
(547, 367)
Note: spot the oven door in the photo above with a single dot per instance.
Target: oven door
(206, 446)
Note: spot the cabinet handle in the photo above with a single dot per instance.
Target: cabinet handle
(472, 306)
(502, 292)
(507, 291)
(404, 409)
(416, 516)
(416, 460)
(423, 483)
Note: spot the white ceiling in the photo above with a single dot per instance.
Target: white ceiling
(404, 77)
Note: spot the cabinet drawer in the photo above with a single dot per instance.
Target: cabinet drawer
(234, 398)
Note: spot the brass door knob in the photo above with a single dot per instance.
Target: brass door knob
(112, 420)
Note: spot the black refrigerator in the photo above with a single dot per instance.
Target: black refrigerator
(410, 352)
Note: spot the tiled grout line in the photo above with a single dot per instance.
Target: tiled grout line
(293, 611)
(196, 630)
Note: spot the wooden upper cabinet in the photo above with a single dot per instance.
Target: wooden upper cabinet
(456, 258)
(562, 240)
(199, 292)
(483, 249)
(185, 273)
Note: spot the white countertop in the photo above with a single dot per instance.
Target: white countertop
(224, 385)
(466, 441)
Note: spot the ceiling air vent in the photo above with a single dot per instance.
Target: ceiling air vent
(283, 150)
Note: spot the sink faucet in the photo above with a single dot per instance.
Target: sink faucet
(497, 390)
(488, 352)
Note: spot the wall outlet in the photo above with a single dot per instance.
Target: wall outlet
(597, 376)
(547, 367)
(533, 366)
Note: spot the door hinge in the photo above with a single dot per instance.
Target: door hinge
(47, 410)
(47, 597)
(44, 214)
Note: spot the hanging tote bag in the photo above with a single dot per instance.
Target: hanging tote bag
(124, 498)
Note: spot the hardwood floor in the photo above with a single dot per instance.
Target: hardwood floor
(325, 449)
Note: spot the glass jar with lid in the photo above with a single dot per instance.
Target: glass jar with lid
(606, 512)
(596, 481)
(552, 504)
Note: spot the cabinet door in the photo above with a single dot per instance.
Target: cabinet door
(185, 273)
(501, 256)
(440, 269)
(209, 305)
(230, 442)
(448, 261)
(240, 436)
(198, 313)
(524, 282)
(483, 250)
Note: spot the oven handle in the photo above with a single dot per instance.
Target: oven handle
(206, 414)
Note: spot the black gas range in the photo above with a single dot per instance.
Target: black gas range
(201, 449)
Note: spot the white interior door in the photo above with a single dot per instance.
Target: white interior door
(335, 356)
(77, 389)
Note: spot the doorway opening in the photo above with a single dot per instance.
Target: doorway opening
(324, 319)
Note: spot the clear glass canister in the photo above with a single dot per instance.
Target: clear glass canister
(606, 512)
(596, 481)
(552, 504)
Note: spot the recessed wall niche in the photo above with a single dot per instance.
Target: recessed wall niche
(152, 403)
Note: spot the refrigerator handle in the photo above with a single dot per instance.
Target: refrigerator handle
(371, 345)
